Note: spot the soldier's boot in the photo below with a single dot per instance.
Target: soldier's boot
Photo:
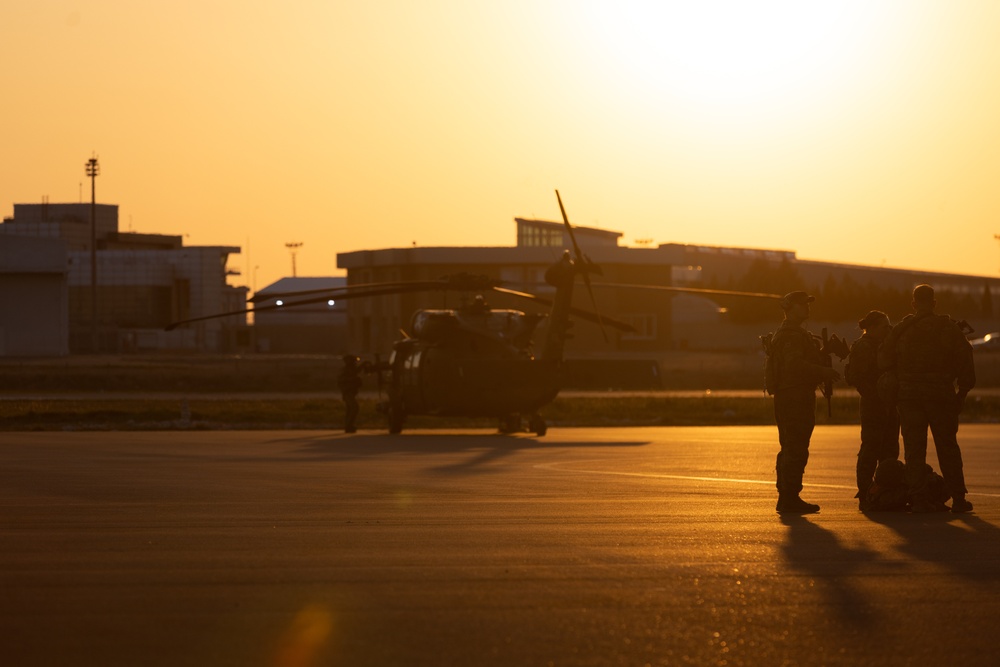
(792, 504)
(864, 500)
(960, 505)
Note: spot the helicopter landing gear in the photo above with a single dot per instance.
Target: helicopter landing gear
(510, 424)
(396, 415)
(537, 425)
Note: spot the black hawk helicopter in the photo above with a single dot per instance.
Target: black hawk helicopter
(474, 360)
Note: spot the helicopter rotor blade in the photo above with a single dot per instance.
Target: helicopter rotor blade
(327, 296)
(581, 261)
(577, 253)
(692, 290)
(456, 282)
(587, 315)
(462, 282)
(174, 325)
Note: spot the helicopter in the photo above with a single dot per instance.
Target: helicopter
(475, 360)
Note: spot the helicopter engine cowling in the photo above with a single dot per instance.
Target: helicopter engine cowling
(509, 326)
(434, 325)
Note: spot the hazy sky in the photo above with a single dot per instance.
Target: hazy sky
(864, 132)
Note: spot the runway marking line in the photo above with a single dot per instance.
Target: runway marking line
(692, 478)
(697, 478)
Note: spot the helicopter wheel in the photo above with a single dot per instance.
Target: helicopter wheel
(510, 424)
(396, 417)
(537, 425)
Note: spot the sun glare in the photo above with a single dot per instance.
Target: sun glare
(731, 57)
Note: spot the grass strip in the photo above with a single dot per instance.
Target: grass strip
(293, 413)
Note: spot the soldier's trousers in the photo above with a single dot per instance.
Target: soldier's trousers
(795, 415)
(941, 416)
(351, 409)
(879, 439)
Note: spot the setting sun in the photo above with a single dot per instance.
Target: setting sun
(734, 59)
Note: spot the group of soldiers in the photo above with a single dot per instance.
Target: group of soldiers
(911, 377)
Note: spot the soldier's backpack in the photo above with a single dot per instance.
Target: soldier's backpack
(932, 488)
(850, 376)
(888, 492)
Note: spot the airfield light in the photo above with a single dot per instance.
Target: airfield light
(279, 302)
(331, 303)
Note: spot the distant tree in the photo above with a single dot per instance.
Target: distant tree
(765, 277)
(958, 306)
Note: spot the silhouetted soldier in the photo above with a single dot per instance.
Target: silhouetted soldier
(799, 366)
(349, 381)
(879, 421)
(930, 356)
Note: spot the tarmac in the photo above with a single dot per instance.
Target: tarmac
(589, 546)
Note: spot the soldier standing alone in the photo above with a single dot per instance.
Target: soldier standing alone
(930, 356)
(349, 381)
(799, 366)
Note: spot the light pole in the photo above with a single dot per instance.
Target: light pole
(93, 169)
(293, 247)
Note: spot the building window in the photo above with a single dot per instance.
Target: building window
(534, 236)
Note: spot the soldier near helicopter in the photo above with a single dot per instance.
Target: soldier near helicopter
(349, 382)
(796, 364)
(932, 363)
(879, 421)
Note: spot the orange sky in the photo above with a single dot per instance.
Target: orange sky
(863, 132)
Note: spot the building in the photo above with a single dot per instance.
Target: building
(316, 327)
(663, 320)
(144, 282)
(34, 299)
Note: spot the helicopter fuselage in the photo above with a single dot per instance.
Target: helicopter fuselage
(433, 379)
(474, 361)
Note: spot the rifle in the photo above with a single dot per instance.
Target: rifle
(831, 345)
(827, 384)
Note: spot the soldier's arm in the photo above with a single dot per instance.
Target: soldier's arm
(966, 365)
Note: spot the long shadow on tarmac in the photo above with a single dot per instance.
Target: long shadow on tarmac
(487, 447)
(965, 544)
(818, 553)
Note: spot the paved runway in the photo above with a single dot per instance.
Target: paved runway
(646, 546)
